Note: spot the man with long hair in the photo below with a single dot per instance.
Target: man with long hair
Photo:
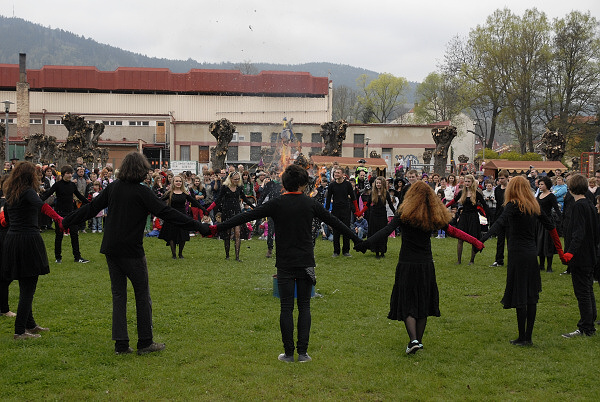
(129, 203)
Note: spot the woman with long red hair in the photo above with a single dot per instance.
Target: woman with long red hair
(523, 281)
(415, 293)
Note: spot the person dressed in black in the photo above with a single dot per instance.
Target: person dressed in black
(293, 213)
(523, 281)
(64, 190)
(228, 201)
(24, 255)
(415, 293)
(378, 214)
(4, 283)
(176, 197)
(580, 254)
(468, 220)
(271, 189)
(547, 201)
(129, 203)
(340, 190)
(501, 233)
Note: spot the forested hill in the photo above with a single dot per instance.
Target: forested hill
(54, 46)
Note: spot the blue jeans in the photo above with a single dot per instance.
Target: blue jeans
(287, 280)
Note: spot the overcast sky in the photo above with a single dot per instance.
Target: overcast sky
(405, 38)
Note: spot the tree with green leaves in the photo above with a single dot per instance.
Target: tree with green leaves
(438, 98)
(382, 96)
(573, 75)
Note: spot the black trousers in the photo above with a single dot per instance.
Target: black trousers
(4, 307)
(24, 319)
(287, 281)
(134, 269)
(583, 281)
(501, 237)
(74, 235)
(344, 216)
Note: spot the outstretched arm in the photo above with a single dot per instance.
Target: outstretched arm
(460, 235)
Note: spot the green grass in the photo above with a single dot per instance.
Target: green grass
(220, 323)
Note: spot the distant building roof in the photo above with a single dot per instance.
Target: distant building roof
(523, 166)
(162, 80)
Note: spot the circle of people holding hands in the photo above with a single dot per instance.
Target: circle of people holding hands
(524, 212)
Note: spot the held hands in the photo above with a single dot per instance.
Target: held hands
(361, 246)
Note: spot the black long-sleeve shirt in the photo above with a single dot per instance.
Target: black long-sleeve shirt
(64, 190)
(129, 205)
(582, 234)
(293, 214)
(342, 194)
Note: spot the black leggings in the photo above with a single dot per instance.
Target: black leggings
(24, 318)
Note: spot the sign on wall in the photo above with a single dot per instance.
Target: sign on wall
(178, 167)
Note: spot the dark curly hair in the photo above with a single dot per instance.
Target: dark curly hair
(134, 168)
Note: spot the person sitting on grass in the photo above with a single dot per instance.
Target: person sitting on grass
(415, 293)
(295, 258)
(122, 243)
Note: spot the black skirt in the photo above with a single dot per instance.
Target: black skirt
(23, 256)
(415, 292)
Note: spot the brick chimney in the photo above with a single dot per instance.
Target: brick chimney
(22, 99)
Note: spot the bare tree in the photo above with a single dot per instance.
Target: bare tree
(246, 67)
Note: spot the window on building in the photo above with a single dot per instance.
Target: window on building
(35, 121)
(359, 138)
(298, 137)
(316, 137)
(255, 137)
(51, 122)
(359, 152)
(255, 153)
(139, 123)
(112, 122)
(232, 153)
(184, 152)
(203, 154)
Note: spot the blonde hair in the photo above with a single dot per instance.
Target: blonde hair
(472, 188)
(228, 182)
(423, 209)
(379, 194)
(172, 188)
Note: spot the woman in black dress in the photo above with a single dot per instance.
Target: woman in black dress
(176, 197)
(4, 284)
(377, 213)
(548, 202)
(468, 221)
(228, 202)
(415, 294)
(523, 281)
(24, 255)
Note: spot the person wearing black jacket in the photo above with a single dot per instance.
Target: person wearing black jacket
(129, 203)
(270, 190)
(65, 189)
(501, 233)
(293, 213)
(580, 255)
(342, 193)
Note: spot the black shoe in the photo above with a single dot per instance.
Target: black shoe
(549, 270)
(58, 260)
(497, 264)
(565, 273)
(520, 342)
(412, 347)
(81, 260)
(124, 352)
(154, 347)
(180, 256)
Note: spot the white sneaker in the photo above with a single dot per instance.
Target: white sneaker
(573, 334)
(94, 231)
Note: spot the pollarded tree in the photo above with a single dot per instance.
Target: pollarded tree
(383, 95)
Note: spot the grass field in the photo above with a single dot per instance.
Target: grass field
(220, 323)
